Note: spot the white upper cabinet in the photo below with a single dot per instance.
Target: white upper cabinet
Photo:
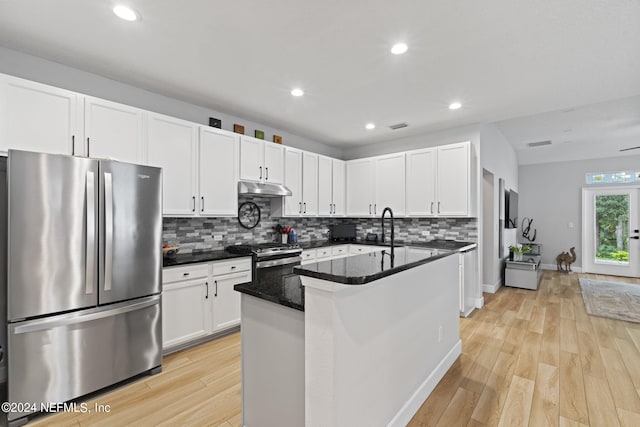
(325, 186)
(360, 187)
(273, 163)
(331, 186)
(261, 161)
(453, 185)
(421, 182)
(293, 181)
(113, 131)
(309, 184)
(390, 184)
(172, 145)
(37, 117)
(251, 158)
(439, 181)
(218, 172)
(339, 187)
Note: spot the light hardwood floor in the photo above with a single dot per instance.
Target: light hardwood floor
(528, 358)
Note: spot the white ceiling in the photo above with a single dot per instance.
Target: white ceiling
(588, 132)
(502, 59)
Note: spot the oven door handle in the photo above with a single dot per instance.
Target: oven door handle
(279, 261)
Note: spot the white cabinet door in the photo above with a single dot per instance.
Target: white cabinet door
(273, 163)
(421, 182)
(325, 193)
(251, 158)
(339, 186)
(390, 184)
(36, 117)
(226, 308)
(360, 188)
(453, 180)
(309, 184)
(171, 145)
(186, 311)
(293, 180)
(113, 130)
(218, 172)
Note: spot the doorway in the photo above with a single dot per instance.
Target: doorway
(610, 231)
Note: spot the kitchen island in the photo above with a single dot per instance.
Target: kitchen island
(373, 336)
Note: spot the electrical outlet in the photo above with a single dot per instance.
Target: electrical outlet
(217, 237)
(440, 334)
(570, 224)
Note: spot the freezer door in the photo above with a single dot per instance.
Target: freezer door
(58, 358)
(130, 231)
(52, 233)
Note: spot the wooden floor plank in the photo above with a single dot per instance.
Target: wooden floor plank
(602, 412)
(458, 413)
(517, 407)
(544, 409)
(573, 402)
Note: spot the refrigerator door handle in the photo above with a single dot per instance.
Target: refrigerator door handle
(74, 318)
(90, 250)
(108, 230)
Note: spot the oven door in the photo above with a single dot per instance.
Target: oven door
(277, 260)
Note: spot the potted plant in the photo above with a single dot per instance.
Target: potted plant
(518, 250)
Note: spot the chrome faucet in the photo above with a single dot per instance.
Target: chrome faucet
(384, 211)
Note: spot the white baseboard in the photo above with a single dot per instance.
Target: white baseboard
(423, 391)
(491, 289)
(555, 268)
(480, 302)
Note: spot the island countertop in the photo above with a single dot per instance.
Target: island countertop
(365, 268)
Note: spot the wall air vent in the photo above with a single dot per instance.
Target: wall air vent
(538, 144)
(398, 126)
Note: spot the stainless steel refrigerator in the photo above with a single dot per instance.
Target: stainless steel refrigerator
(84, 275)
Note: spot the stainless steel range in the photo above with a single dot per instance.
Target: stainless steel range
(269, 254)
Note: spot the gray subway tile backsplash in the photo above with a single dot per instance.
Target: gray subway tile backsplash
(205, 234)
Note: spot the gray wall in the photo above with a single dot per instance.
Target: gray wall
(551, 194)
(498, 157)
(41, 70)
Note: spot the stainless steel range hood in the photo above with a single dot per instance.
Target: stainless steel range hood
(263, 189)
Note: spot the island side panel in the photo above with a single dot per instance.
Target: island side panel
(374, 352)
(272, 364)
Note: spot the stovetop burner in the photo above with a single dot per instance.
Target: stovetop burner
(265, 249)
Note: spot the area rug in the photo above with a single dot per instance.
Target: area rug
(615, 300)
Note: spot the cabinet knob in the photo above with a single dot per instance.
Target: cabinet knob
(185, 274)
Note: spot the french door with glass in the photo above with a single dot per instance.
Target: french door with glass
(611, 231)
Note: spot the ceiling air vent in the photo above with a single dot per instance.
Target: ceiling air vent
(538, 144)
(398, 126)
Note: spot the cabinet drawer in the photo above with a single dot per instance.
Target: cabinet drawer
(231, 266)
(176, 274)
(359, 249)
(339, 250)
(308, 254)
(323, 252)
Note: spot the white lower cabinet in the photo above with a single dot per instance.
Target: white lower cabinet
(199, 299)
(226, 301)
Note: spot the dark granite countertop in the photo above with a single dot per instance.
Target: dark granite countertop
(276, 284)
(365, 268)
(193, 258)
(451, 245)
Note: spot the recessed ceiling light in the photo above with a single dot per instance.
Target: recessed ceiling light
(455, 106)
(399, 48)
(297, 92)
(125, 13)
(370, 126)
